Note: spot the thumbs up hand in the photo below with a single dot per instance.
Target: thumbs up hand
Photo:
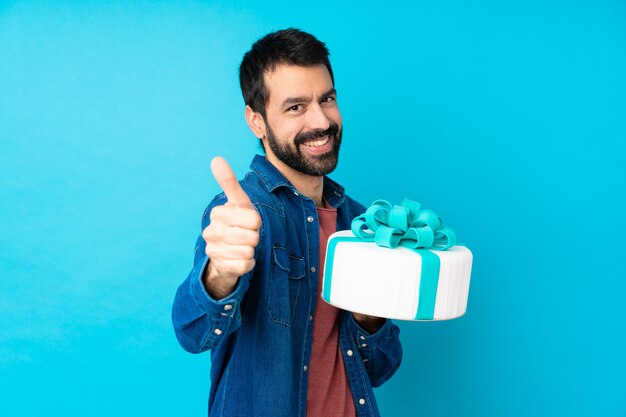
(232, 235)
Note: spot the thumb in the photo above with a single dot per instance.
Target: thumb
(226, 179)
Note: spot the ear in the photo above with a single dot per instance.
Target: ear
(255, 122)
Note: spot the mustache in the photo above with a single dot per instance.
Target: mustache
(332, 130)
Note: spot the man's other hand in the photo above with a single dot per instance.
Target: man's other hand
(370, 323)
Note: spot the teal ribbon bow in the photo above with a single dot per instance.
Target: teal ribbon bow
(403, 225)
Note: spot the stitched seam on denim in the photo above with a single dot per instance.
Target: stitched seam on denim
(261, 233)
(193, 293)
(348, 365)
(275, 257)
(211, 314)
(302, 406)
(225, 382)
(288, 268)
(261, 176)
(277, 320)
(295, 304)
(360, 367)
(206, 341)
(195, 253)
(292, 279)
(382, 342)
(211, 206)
(298, 259)
(355, 372)
(266, 179)
(280, 213)
(363, 374)
(333, 186)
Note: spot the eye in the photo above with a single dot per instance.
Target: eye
(328, 99)
(295, 108)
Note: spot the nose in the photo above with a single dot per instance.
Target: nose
(316, 118)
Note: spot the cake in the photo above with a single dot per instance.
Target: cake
(397, 273)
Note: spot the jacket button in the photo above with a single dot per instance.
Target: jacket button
(310, 219)
(305, 368)
(228, 307)
(217, 332)
(313, 269)
(349, 352)
(362, 401)
(362, 337)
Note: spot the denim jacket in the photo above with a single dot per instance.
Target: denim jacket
(260, 335)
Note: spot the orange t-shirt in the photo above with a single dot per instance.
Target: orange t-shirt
(329, 394)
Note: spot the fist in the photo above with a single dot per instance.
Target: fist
(232, 235)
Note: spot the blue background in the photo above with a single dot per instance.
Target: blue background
(507, 118)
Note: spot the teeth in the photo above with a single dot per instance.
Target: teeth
(317, 143)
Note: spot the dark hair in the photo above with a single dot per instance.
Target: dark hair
(288, 46)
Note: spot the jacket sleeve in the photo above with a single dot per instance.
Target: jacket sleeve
(201, 322)
(381, 352)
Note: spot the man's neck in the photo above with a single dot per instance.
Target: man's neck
(308, 185)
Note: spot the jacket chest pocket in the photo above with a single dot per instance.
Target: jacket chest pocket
(285, 280)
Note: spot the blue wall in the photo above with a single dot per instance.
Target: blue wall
(507, 118)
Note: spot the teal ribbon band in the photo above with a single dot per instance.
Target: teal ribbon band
(330, 258)
(429, 279)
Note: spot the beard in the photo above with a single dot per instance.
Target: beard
(314, 165)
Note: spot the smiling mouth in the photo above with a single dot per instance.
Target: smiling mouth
(317, 143)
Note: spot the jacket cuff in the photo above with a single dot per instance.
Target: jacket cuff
(367, 340)
(226, 306)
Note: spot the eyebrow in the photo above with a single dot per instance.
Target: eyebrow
(296, 100)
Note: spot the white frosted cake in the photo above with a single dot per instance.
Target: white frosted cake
(399, 283)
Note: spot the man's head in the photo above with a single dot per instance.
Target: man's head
(288, 87)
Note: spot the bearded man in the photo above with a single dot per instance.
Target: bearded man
(253, 295)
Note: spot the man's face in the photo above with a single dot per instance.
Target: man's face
(303, 123)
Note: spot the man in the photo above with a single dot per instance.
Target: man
(252, 297)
